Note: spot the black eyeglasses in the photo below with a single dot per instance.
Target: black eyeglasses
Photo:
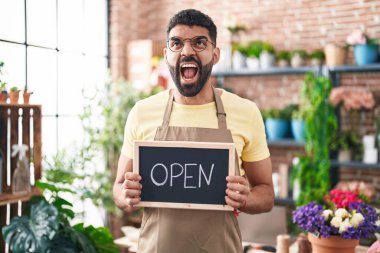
(198, 43)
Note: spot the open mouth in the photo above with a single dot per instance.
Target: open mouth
(189, 71)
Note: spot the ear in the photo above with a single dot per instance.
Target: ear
(166, 59)
(216, 55)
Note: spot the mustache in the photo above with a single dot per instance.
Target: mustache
(189, 58)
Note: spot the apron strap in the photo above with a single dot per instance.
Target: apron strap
(220, 113)
(168, 110)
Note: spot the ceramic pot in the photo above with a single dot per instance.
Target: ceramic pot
(344, 155)
(277, 129)
(253, 63)
(334, 244)
(335, 55)
(238, 60)
(296, 61)
(14, 96)
(298, 130)
(3, 97)
(26, 97)
(266, 60)
(365, 54)
(316, 62)
(283, 63)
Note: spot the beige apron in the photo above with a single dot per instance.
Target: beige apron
(165, 230)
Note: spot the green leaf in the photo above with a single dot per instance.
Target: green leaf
(51, 187)
(101, 236)
(34, 234)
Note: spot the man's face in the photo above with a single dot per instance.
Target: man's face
(190, 69)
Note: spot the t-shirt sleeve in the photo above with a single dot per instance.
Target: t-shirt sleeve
(255, 148)
(130, 133)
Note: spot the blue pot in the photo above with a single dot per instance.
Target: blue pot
(276, 128)
(298, 130)
(365, 54)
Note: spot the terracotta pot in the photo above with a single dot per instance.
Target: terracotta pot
(334, 244)
(26, 96)
(3, 97)
(335, 55)
(14, 96)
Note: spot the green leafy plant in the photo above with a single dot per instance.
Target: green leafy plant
(300, 52)
(345, 140)
(274, 113)
(313, 170)
(14, 89)
(299, 114)
(267, 47)
(47, 228)
(283, 55)
(317, 54)
(254, 49)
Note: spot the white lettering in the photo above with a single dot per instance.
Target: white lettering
(204, 175)
(184, 182)
(151, 174)
(171, 172)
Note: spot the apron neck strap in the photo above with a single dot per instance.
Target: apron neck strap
(220, 113)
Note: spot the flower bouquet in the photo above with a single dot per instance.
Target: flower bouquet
(344, 217)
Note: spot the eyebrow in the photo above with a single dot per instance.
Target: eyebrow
(199, 37)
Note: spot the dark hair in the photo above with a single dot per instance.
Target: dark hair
(192, 17)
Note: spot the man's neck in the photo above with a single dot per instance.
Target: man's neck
(206, 95)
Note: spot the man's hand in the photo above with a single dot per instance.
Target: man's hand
(237, 191)
(131, 190)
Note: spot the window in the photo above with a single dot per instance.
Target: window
(57, 48)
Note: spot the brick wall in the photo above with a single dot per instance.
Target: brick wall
(287, 24)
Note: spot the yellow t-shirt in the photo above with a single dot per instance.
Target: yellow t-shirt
(243, 120)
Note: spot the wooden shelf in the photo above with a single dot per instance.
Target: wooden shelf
(19, 105)
(8, 198)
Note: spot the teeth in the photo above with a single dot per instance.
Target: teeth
(189, 65)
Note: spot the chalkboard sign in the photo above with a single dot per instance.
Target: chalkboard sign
(184, 174)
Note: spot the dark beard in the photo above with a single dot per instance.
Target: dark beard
(190, 90)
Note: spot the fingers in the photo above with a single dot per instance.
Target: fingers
(132, 176)
(131, 190)
(233, 203)
(237, 191)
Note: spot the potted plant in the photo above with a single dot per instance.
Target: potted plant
(3, 92)
(344, 143)
(26, 95)
(365, 48)
(238, 56)
(317, 57)
(47, 228)
(14, 94)
(298, 124)
(276, 123)
(283, 58)
(337, 223)
(298, 58)
(267, 56)
(254, 50)
(335, 54)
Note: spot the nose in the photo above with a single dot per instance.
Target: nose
(187, 49)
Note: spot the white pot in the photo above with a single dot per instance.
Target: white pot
(344, 155)
(283, 63)
(371, 155)
(315, 62)
(369, 141)
(253, 63)
(238, 60)
(266, 60)
(296, 61)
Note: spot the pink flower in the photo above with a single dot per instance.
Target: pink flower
(352, 99)
(356, 37)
